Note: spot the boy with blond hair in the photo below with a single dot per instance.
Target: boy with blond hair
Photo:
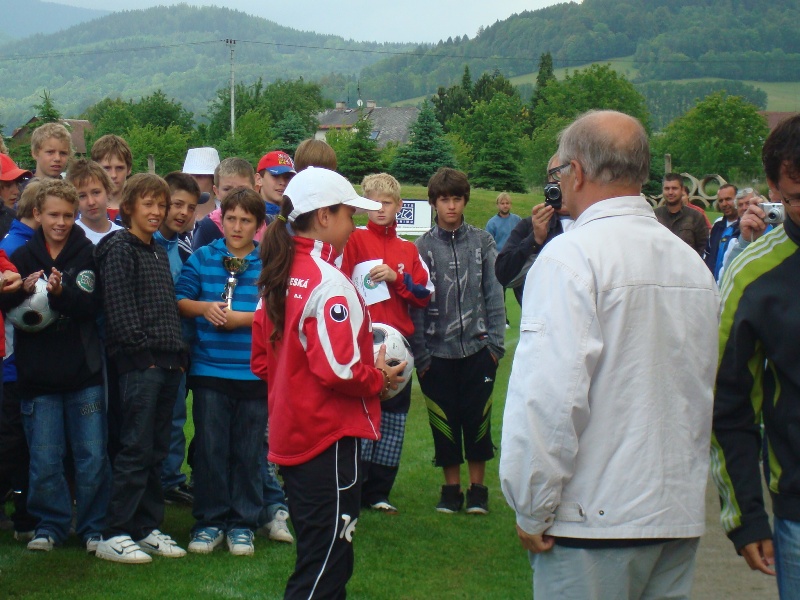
(51, 148)
(94, 187)
(399, 270)
(114, 154)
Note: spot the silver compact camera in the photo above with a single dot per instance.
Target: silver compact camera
(773, 212)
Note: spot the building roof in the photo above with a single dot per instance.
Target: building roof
(389, 123)
(76, 127)
(773, 117)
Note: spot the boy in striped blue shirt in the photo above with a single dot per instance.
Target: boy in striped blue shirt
(230, 411)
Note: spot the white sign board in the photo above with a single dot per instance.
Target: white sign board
(414, 217)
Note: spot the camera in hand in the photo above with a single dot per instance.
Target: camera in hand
(552, 195)
(773, 212)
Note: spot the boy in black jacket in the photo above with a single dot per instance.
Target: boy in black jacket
(60, 374)
(143, 338)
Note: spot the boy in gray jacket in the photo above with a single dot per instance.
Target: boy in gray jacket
(458, 340)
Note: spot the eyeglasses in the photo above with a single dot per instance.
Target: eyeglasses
(555, 172)
(790, 201)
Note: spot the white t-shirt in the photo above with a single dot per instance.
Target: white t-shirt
(93, 236)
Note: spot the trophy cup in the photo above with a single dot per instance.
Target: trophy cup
(234, 266)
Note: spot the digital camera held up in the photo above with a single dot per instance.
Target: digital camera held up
(552, 195)
(773, 212)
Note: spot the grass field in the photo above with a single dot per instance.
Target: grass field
(416, 554)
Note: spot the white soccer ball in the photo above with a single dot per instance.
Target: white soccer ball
(397, 350)
(34, 314)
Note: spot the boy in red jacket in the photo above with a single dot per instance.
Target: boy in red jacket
(403, 281)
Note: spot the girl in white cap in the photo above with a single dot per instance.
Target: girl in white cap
(312, 344)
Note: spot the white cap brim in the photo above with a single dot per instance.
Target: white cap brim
(315, 188)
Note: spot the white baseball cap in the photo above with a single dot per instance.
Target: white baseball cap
(201, 161)
(315, 187)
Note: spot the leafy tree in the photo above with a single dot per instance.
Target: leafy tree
(254, 137)
(721, 134)
(537, 151)
(543, 77)
(168, 147)
(426, 152)
(597, 87)
(466, 81)
(157, 110)
(290, 131)
(276, 100)
(450, 102)
(109, 117)
(493, 130)
(360, 156)
(46, 110)
(489, 85)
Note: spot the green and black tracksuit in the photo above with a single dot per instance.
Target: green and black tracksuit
(759, 380)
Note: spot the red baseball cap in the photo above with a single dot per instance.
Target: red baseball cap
(10, 170)
(276, 162)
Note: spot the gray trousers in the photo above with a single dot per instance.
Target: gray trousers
(657, 571)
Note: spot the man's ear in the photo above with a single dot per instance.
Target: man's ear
(578, 176)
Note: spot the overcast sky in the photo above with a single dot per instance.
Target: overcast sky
(376, 20)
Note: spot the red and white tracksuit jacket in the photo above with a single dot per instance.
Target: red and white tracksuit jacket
(413, 286)
(321, 379)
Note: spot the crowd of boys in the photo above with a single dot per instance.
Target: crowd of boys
(154, 296)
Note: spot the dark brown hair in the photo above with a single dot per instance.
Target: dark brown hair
(249, 201)
(781, 151)
(277, 256)
(179, 181)
(448, 182)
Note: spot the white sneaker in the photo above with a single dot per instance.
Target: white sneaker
(205, 540)
(91, 544)
(278, 529)
(122, 549)
(240, 542)
(162, 545)
(42, 543)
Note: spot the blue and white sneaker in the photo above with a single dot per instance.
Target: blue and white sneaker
(162, 545)
(240, 542)
(204, 540)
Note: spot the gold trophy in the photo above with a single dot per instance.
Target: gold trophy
(234, 266)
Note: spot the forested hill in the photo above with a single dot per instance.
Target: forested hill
(21, 19)
(186, 58)
(670, 39)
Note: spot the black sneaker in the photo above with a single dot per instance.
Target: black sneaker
(477, 499)
(452, 499)
(180, 494)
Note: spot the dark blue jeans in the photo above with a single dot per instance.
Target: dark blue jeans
(147, 397)
(228, 438)
(171, 474)
(51, 422)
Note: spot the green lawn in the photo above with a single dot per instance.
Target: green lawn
(417, 554)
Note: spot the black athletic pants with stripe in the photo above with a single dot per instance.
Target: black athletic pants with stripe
(324, 502)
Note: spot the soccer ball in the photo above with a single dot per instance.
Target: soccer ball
(34, 314)
(397, 350)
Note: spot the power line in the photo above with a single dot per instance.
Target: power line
(577, 60)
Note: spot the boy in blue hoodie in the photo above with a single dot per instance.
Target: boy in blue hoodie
(229, 409)
(14, 456)
(184, 197)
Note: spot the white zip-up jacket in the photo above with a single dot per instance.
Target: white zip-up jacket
(608, 417)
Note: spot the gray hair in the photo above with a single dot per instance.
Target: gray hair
(607, 155)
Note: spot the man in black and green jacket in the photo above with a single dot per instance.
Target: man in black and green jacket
(759, 380)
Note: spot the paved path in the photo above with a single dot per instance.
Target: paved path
(721, 573)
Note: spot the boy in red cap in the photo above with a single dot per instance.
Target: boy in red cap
(11, 176)
(275, 171)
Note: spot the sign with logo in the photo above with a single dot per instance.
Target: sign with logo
(414, 217)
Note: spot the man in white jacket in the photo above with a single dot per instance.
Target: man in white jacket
(606, 429)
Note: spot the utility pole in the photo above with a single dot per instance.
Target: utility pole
(232, 44)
